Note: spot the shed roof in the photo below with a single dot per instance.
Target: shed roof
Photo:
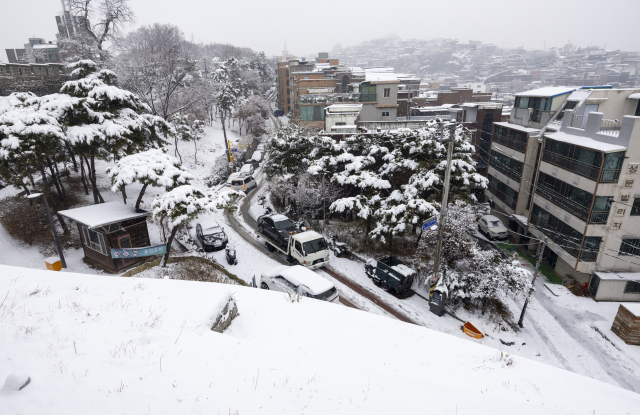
(103, 214)
(619, 276)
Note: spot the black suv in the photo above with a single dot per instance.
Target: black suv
(277, 227)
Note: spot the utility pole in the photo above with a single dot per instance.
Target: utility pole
(535, 275)
(53, 227)
(445, 197)
(324, 215)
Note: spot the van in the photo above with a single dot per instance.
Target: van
(243, 183)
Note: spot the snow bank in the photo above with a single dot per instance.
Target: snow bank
(103, 345)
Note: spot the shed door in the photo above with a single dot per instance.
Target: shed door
(590, 108)
(125, 242)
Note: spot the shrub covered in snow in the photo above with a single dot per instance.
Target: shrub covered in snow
(152, 167)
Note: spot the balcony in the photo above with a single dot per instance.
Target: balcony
(510, 142)
(544, 227)
(334, 98)
(574, 166)
(502, 196)
(510, 173)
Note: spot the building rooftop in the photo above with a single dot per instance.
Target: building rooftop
(583, 141)
(548, 92)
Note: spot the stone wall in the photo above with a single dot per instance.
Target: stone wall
(38, 85)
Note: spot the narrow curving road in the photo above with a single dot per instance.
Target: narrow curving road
(253, 240)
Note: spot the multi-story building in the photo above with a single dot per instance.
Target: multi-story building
(565, 168)
(36, 51)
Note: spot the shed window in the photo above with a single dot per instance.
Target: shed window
(94, 240)
(632, 287)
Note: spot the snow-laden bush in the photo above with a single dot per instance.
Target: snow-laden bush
(152, 167)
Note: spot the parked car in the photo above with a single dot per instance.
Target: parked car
(243, 183)
(247, 169)
(211, 235)
(277, 227)
(260, 147)
(492, 227)
(299, 280)
(254, 163)
(278, 113)
(257, 155)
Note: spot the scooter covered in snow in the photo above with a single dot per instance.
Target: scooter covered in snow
(230, 254)
(340, 249)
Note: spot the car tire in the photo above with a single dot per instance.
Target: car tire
(264, 286)
(261, 229)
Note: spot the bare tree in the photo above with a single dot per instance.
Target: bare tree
(102, 20)
(155, 62)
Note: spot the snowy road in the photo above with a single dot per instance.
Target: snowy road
(584, 355)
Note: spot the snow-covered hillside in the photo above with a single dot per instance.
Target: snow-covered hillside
(95, 344)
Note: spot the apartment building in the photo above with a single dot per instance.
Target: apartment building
(565, 168)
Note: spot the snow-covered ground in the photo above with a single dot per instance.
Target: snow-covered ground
(105, 345)
(558, 330)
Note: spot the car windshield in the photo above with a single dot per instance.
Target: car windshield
(314, 246)
(284, 224)
(326, 295)
(495, 223)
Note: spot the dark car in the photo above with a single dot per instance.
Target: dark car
(253, 162)
(277, 227)
(278, 113)
(211, 235)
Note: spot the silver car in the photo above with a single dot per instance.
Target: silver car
(493, 228)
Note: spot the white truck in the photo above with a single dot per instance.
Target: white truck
(307, 248)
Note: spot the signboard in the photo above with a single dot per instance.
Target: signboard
(128, 253)
(234, 150)
(430, 223)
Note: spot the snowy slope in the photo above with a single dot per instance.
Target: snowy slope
(95, 344)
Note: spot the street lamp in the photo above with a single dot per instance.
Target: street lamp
(33, 196)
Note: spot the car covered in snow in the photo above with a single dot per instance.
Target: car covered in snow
(299, 280)
(211, 235)
(492, 227)
(243, 182)
(247, 169)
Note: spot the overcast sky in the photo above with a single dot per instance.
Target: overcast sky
(311, 27)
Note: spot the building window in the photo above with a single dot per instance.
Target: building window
(387, 92)
(312, 113)
(288, 91)
(287, 73)
(630, 246)
(635, 209)
(386, 112)
(94, 240)
(632, 287)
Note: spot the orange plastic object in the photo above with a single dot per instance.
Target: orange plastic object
(471, 330)
(53, 263)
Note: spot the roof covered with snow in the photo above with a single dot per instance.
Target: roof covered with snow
(634, 96)
(552, 91)
(380, 77)
(585, 142)
(622, 276)
(103, 214)
(344, 108)
(85, 353)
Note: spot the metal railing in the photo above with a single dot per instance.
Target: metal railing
(511, 173)
(589, 256)
(502, 196)
(576, 210)
(599, 217)
(610, 127)
(555, 236)
(610, 175)
(332, 98)
(574, 166)
(510, 142)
